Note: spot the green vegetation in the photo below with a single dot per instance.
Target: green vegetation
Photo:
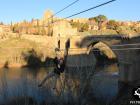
(81, 27)
(136, 29)
(1, 23)
(112, 24)
(100, 19)
(110, 27)
(125, 30)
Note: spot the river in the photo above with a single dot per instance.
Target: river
(75, 86)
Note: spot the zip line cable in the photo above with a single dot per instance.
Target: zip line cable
(90, 8)
(105, 3)
(64, 8)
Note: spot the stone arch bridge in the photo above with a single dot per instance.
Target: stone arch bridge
(125, 49)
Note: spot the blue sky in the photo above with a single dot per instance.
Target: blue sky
(17, 10)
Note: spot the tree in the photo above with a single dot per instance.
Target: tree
(137, 29)
(99, 19)
(84, 27)
(32, 20)
(81, 27)
(37, 23)
(112, 24)
(125, 30)
(11, 26)
(15, 28)
(76, 25)
(1, 23)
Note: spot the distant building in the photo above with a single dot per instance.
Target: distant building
(80, 20)
(137, 24)
(35, 22)
(128, 23)
(63, 29)
(47, 18)
(93, 27)
(5, 28)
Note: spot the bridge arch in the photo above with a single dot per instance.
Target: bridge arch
(127, 53)
(102, 51)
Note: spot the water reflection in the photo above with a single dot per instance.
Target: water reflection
(76, 86)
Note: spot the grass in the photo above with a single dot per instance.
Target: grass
(12, 49)
(17, 42)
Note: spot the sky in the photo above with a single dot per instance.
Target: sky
(18, 10)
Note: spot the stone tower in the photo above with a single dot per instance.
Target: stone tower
(47, 17)
(62, 31)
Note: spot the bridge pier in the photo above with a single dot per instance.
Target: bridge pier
(129, 63)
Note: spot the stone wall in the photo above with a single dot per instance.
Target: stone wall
(4, 28)
(80, 20)
(63, 29)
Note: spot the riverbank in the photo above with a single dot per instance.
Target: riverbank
(15, 65)
(18, 52)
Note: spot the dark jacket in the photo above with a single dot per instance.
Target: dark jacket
(60, 67)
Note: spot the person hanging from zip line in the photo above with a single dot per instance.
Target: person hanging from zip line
(60, 65)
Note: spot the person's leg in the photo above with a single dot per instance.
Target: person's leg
(55, 78)
(51, 74)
